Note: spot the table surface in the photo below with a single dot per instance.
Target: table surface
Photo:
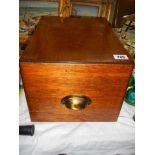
(82, 138)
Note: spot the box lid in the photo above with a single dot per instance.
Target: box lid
(74, 40)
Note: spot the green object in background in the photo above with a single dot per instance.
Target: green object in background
(130, 95)
(131, 81)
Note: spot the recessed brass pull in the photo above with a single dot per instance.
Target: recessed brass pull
(76, 102)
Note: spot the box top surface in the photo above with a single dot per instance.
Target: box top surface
(74, 40)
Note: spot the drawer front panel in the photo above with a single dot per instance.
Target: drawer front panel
(46, 84)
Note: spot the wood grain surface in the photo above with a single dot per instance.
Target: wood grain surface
(74, 56)
(73, 40)
(45, 85)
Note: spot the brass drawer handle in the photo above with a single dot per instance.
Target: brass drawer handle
(76, 102)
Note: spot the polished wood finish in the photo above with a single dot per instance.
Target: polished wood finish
(45, 85)
(86, 40)
(74, 57)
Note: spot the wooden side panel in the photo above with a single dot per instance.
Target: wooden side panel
(46, 84)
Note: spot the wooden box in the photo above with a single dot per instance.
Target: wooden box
(75, 60)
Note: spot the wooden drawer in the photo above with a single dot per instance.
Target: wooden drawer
(46, 84)
(47, 80)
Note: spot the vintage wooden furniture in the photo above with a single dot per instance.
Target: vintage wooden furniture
(74, 69)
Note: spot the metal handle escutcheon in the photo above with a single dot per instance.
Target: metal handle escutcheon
(75, 102)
